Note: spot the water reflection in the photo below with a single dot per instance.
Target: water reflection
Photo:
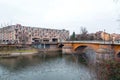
(49, 67)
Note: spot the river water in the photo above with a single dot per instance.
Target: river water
(53, 66)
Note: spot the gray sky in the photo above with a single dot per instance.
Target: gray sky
(95, 15)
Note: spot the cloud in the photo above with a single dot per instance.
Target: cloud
(68, 14)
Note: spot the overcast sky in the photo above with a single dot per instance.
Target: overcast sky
(95, 15)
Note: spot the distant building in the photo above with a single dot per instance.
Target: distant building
(98, 35)
(116, 36)
(106, 36)
(24, 34)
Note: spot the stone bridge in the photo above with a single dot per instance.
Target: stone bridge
(76, 46)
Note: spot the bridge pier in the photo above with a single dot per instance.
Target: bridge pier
(67, 50)
(104, 54)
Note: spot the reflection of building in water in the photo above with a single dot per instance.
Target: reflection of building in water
(19, 34)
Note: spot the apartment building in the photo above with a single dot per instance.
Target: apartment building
(24, 34)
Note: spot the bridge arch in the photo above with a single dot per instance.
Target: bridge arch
(77, 46)
(81, 48)
(118, 54)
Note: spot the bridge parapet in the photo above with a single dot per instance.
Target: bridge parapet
(92, 42)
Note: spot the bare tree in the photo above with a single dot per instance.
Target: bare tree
(83, 33)
(83, 30)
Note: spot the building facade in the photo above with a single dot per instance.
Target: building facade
(24, 34)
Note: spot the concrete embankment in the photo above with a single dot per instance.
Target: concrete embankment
(49, 50)
(17, 52)
(24, 53)
(11, 54)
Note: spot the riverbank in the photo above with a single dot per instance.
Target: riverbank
(17, 52)
(109, 70)
(10, 53)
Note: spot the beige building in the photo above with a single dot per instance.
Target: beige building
(105, 36)
(110, 37)
(25, 34)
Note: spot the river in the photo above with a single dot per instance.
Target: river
(48, 67)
